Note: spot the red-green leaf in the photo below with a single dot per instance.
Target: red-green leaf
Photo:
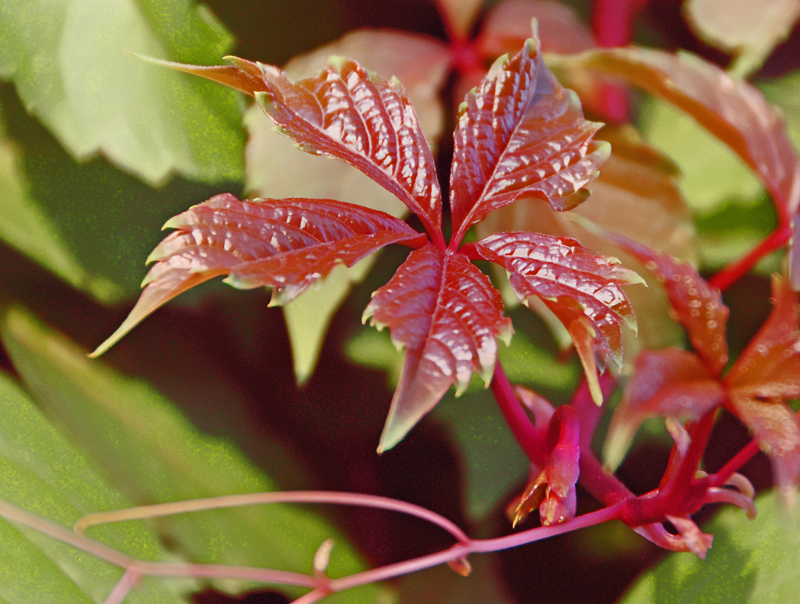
(769, 367)
(669, 382)
(286, 244)
(520, 133)
(697, 305)
(360, 118)
(447, 315)
(580, 287)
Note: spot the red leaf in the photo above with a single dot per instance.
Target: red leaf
(447, 315)
(669, 382)
(360, 118)
(520, 133)
(286, 244)
(770, 365)
(730, 108)
(697, 305)
(580, 287)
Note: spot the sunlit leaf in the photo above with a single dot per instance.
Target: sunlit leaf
(72, 71)
(285, 244)
(697, 305)
(508, 25)
(274, 169)
(360, 118)
(447, 316)
(580, 287)
(731, 109)
(40, 471)
(747, 29)
(636, 182)
(669, 382)
(520, 133)
(149, 450)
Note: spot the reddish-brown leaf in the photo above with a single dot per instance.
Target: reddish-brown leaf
(581, 288)
(520, 133)
(669, 382)
(697, 305)
(286, 244)
(764, 378)
(769, 368)
(360, 118)
(447, 316)
(730, 108)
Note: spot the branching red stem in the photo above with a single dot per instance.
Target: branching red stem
(736, 270)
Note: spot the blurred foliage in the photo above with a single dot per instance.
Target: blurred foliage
(98, 149)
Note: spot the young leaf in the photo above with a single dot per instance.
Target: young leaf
(520, 133)
(669, 382)
(697, 305)
(274, 169)
(286, 244)
(447, 315)
(580, 287)
(362, 119)
(764, 379)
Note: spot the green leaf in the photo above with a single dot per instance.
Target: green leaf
(90, 224)
(142, 442)
(750, 561)
(749, 30)
(43, 473)
(275, 169)
(72, 71)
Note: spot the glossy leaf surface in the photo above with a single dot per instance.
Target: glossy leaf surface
(286, 244)
(697, 305)
(273, 168)
(520, 133)
(447, 316)
(581, 288)
(360, 118)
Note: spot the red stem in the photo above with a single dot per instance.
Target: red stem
(736, 462)
(733, 272)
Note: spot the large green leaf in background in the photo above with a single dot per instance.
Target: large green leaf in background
(751, 562)
(69, 63)
(145, 446)
(41, 472)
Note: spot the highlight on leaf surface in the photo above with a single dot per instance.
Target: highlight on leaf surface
(286, 244)
(520, 133)
(447, 316)
(582, 288)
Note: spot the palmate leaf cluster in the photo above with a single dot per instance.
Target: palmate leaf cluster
(77, 201)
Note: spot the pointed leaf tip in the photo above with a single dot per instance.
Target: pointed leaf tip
(447, 315)
(285, 244)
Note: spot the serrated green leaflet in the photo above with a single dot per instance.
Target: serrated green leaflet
(751, 562)
(142, 441)
(42, 472)
(69, 63)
